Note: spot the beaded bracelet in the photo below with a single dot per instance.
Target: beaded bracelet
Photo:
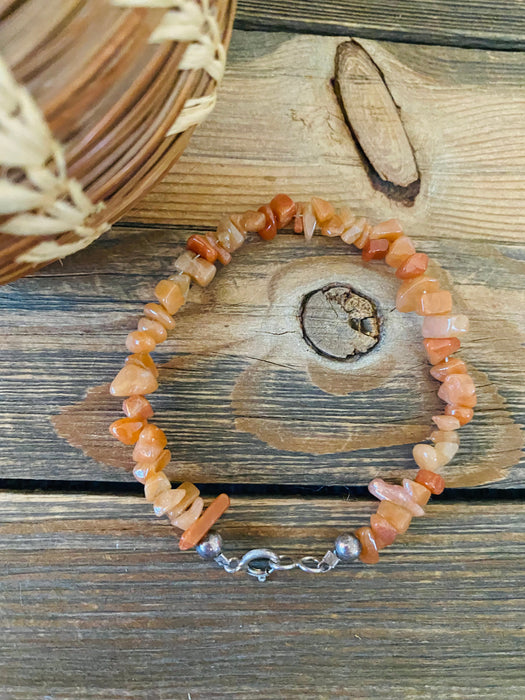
(418, 293)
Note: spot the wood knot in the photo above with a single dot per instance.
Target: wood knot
(339, 323)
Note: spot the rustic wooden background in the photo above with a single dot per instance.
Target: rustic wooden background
(95, 599)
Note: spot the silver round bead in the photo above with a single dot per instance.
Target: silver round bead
(210, 546)
(347, 547)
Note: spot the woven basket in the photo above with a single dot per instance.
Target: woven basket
(98, 98)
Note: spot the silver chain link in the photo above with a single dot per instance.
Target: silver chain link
(260, 563)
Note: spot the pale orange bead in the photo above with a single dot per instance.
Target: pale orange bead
(197, 268)
(253, 221)
(190, 493)
(363, 238)
(384, 533)
(414, 266)
(309, 222)
(445, 452)
(432, 303)
(397, 516)
(126, 430)
(138, 407)
(150, 444)
(142, 359)
(391, 230)
(323, 210)
(450, 365)
(333, 227)
(284, 209)
(410, 290)
(438, 349)
(444, 436)
(154, 328)
(194, 534)
(154, 485)
(395, 494)
(425, 457)
(159, 313)
(458, 389)
(354, 231)
(170, 295)
(186, 519)
(347, 217)
(140, 341)
(419, 493)
(444, 326)
(446, 422)
(133, 379)
(369, 553)
(142, 471)
(398, 251)
(165, 501)
(222, 254)
(462, 413)
(183, 281)
(229, 235)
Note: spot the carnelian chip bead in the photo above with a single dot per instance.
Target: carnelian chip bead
(384, 532)
(450, 365)
(354, 230)
(142, 471)
(438, 349)
(323, 210)
(137, 406)
(253, 221)
(228, 235)
(433, 482)
(159, 313)
(363, 238)
(433, 303)
(190, 494)
(152, 440)
(197, 268)
(446, 422)
(409, 292)
(284, 209)
(298, 218)
(269, 230)
(194, 534)
(133, 379)
(199, 245)
(369, 553)
(425, 456)
(140, 341)
(155, 484)
(444, 436)
(170, 295)
(166, 500)
(398, 251)
(375, 249)
(389, 230)
(333, 227)
(419, 493)
(445, 326)
(462, 413)
(143, 359)
(458, 389)
(446, 452)
(186, 519)
(396, 515)
(395, 494)
(154, 328)
(126, 430)
(414, 266)
(223, 256)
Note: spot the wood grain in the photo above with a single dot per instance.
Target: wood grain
(96, 584)
(491, 25)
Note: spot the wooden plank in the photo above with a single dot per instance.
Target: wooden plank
(96, 584)
(475, 23)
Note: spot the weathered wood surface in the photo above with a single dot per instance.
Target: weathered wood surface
(243, 398)
(491, 25)
(98, 603)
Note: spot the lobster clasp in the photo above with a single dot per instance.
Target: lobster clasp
(259, 563)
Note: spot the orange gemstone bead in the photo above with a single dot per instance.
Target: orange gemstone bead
(140, 341)
(458, 389)
(198, 244)
(229, 236)
(127, 430)
(369, 553)
(298, 218)
(197, 268)
(425, 456)
(438, 349)
(432, 303)
(413, 266)
(397, 516)
(222, 254)
(190, 494)
(462, 413)
(446, 326)
(186, 519)
(384, 532)
(194, 534)
(159, 313)
(410, 290)
(375, 249)
(389, 230)
(446, 422)
(450, 365)
(155, 484)
(323, 210)
(142, 471)
(419, 493)
(270, 228)
(133, 379)
(253, 221)
(284, 209)
(433, 482)
(143, 359)
(363, 238)
(138, 407)
(154, 328)
(354, 231)
(333, 227)
(399, 250)
(152, 440)
(170, 295)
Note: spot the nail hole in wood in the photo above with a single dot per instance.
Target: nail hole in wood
(339, 323)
